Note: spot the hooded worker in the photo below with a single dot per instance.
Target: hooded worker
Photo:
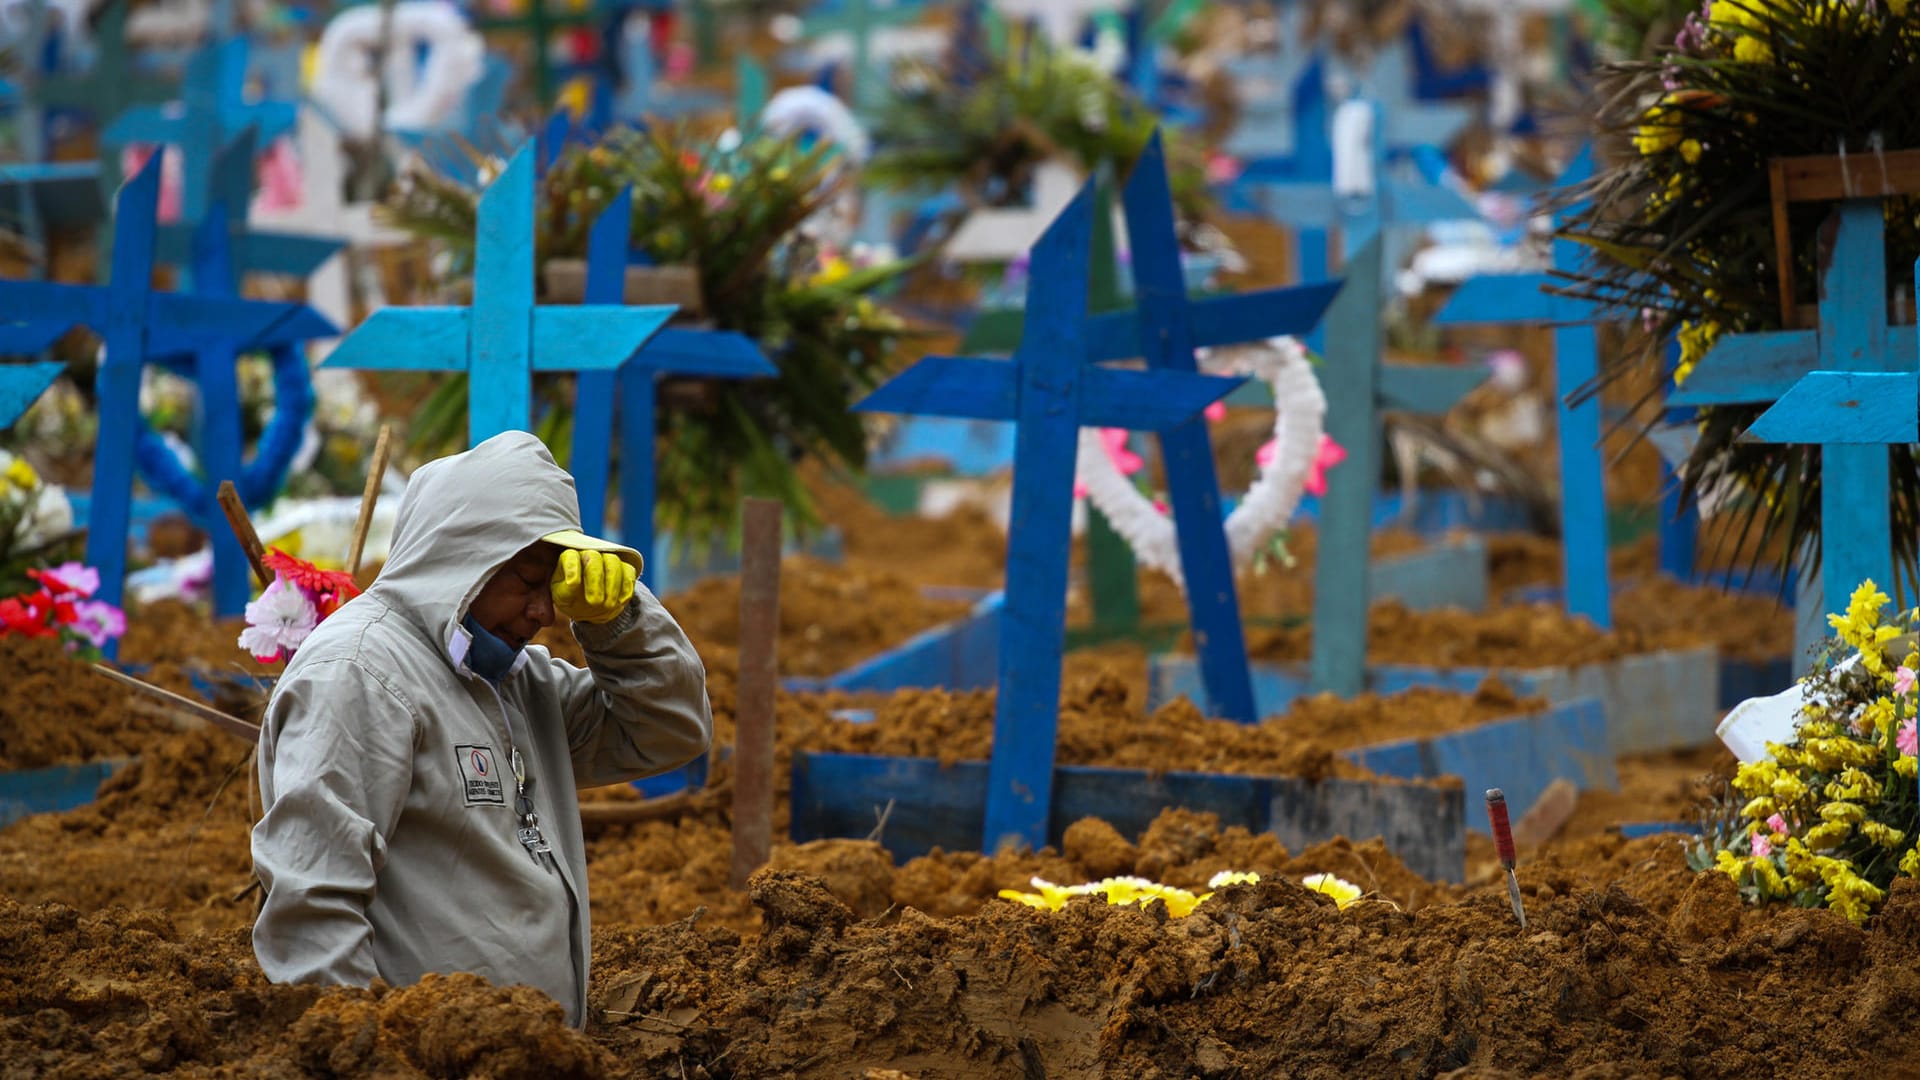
(419, 760)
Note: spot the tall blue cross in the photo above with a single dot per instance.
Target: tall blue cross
(1283, 100)
(503, 337)
(1849, 386)
(220, 250)
(138, 325)
(712, 353)
(1163, 325)
(1359, 386)
(1507, 299)
(1050, 391)
(212, 110)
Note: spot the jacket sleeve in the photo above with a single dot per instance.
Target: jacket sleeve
(337, 751)
(641, 706)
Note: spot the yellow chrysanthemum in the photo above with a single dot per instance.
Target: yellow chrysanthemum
(1907, 766)
(1788, 789)
(1910, 862)
(21, 475)
(1690, 150)
(1827, 834)
(1659, 128)
(1759, 809)
(1696, 340)
(1752, 50)
(1883, 834)
(832, 270)
(1343, 892)
(1843, 812)
(1756, 777)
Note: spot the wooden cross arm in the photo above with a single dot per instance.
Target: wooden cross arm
(1844, 408)
(974, 389)
(66, 193)
(180, 322)
(1493, 299)
(49, 303)
(30, 338)
(1220, 320)
(1423, 125)
(958, 387)
(1302, 204)
(103, 90)
(21, 385)
(1750, 368)
(1427, 389)
(1410, 203)
(723, 353)
(1148, 400)
(405, 339)
(594, 337)
(585, 337)
(292, 254)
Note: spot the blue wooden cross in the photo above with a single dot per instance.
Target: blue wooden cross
(635, 100)
(1507, 299)
(1283, 100)
(1163, 323)
(712, 353)
(503, 337)
(1050, 391)
(1852, 386)
(138, 324)
(211, 111)
(1359, 386)
(220, 250)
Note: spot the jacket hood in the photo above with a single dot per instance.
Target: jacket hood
(465, 517)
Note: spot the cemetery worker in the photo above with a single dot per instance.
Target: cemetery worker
(419, 759)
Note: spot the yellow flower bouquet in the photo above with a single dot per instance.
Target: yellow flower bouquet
(1829, 818)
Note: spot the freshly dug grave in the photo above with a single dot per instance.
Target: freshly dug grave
(1742, 625)
(1271, 593)
(172, 631)
(831, 617)
(1520, 635)
(962, 548)
(56, 712)
(1099, 726)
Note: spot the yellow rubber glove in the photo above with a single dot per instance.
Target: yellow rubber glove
(591, 586)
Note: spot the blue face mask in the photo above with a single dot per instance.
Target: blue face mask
(488, 657)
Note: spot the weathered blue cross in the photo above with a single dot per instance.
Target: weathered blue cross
(1359, 386)
(21, 385)
(138, 325)
(1050, 390)
(221, 249)
(711, 353)
(503, 337)
(212, 110)
(1852, 386)
(1508, 299)
(1164, 326)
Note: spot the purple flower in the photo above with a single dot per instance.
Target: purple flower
(98, 621)
(84, 580)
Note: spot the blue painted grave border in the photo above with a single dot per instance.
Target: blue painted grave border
(52, 789)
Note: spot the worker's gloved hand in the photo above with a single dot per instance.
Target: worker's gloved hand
(591, 586)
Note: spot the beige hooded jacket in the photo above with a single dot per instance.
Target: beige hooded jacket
(389, 845)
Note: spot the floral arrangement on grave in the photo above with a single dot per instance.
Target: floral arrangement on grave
(298, 599)
(1126, 891)
(739, 214)
(36, 522)
(1681, 226)
(61, 605)
(1832, 816)
(1636, 29)
(1292, 462)
(988, 134)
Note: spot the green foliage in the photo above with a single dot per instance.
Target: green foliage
(739, 218)
(1032, 104)
(1681, 227)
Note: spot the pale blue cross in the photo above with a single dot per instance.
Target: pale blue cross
(503, 337)
(1852, 386)
(1050, 391)
(712, 353)
(1508, 299)
(138, 325)
(22, 384)
(212, 109)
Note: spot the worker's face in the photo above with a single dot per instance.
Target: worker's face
(516, 603)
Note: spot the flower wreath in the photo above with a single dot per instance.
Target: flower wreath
(345, 83)
(259, 479)
(1299, 424)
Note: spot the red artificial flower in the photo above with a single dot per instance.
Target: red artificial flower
(18, 615)
(52, 583)
(328, 588)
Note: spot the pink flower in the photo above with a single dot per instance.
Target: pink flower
(84, 580)
(1161, 505)
(281, 187)
(1908, 740)
(1903, 677)
(1222, 169)
(1215, 412)
(1079, 490)
(1124, 459)
(1263, 457)
(278, 621)
(1779, 825)
(1762, 844)
(98, 622)
(1328, 455)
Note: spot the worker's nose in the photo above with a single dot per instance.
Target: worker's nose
(540, 607)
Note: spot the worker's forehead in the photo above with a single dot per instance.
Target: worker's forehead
(537, 554)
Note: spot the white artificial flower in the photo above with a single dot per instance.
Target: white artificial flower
(278, 621)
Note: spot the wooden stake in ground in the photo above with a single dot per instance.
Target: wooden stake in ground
(242, 525)
(232, 725)
(376, 471)
(753, 712)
